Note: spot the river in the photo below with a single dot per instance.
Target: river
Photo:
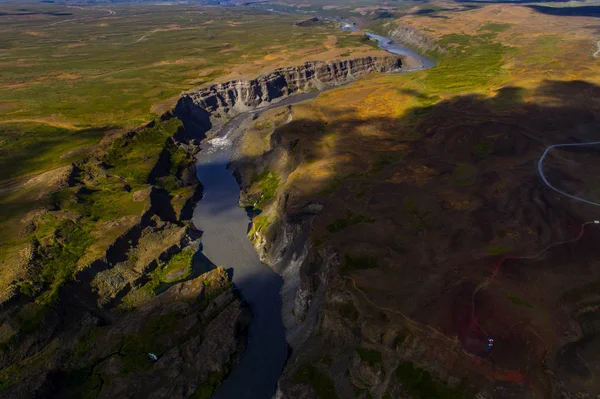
(225, 243)
(387, 44)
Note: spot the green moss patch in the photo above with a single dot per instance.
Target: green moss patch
(208, 387)
(62, 242)
(420, 384)
(331, 187)
(353, 264)
(267, 183)
(370, 356)
(259, 223)
(495, 27)
(179, 266)
(134, 157)
(517, 300)
(464, 175)
(483, 148)
(472, 63)
(322, 384)
(498, 249)
(349, 220)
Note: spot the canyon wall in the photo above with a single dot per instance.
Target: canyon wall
(285, 244)
(413, 38)
(201, 109)
(288, 250)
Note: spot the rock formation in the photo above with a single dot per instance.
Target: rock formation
(96, 338)
(413, 38)
(230, 98)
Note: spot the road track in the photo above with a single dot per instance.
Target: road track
(110, 12)
(547, 183)
(540, 167)
(496, 268)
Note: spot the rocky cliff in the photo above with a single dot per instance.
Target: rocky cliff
(202, 108)
(387, 253)
(195, 329)
(412, 38)
(129, 285)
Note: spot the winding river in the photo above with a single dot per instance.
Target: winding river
(225, 243)
(387, 44)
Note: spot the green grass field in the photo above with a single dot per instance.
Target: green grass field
(94, 69)
(73, 75)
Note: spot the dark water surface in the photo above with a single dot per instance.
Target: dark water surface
(225, 243)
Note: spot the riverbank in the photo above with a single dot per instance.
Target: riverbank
(225, 241)
(392, 47)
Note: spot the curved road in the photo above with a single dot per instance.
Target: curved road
(597, 51)
(547, 183)
(498, 265)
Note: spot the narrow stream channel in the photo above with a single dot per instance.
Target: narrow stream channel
(225, 243)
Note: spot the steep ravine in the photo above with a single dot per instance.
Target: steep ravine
(202, 109)
(222, 112)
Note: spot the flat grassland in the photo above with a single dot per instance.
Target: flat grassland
(73, 77)
(96, 66)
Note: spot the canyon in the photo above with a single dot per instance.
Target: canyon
(223, 222)
(199, 110)
(359, 324)
(123, 305)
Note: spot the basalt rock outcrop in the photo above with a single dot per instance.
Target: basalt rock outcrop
(413, 38)
(195, 329)
(122, 301)
(200, 110)
(398, 311)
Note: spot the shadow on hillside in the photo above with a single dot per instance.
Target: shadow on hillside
(510, 1)
(579, 11)
(25, 12)
(413, 202)
(37, 146)
(431, 198)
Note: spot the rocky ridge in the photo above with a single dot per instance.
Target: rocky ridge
(413, 38)
(133, 291)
